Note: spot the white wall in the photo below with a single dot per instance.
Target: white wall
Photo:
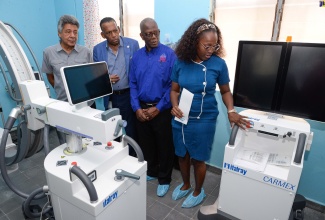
(304, 21)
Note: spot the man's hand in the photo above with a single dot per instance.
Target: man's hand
(151, 112)
(114, 78)
(50, 78)
(141, 115)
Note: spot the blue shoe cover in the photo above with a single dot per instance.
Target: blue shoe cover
(192, 201)
(149, 178)
(162, 190)
(178, 193)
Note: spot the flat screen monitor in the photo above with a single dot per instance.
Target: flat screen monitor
(259, 64)
(303, 90)
(86, 82)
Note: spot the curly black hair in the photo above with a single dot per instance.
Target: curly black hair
(186, 47)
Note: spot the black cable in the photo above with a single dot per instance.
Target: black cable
(29, 199)
(9, 123)
(46, 139)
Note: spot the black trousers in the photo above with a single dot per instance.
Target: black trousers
(156, 141)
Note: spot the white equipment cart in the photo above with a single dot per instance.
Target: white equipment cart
(261, 168)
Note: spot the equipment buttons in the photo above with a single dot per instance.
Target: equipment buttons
(109, 146)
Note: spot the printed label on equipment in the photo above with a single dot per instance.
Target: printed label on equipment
(99, 115)
(279, 160)
(61, 163)
(97, 143)
(110, 199)
(279, 183)
(92, 176)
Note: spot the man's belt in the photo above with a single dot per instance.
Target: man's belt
(120, 92)
(147, 105)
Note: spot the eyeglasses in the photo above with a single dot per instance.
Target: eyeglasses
(150, 34)
(214, 47)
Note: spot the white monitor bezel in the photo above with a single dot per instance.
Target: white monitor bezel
(66, 88)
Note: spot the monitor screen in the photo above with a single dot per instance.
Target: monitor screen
(86, 82)
(303, 90)
(281, 77)
(256, 80)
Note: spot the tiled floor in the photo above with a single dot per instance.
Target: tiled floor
(31, 176)
(166, 208)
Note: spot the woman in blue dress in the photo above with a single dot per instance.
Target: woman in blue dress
(199, 69)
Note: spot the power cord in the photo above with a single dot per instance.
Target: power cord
(46, 205)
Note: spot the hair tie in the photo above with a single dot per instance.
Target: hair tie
(205, 27)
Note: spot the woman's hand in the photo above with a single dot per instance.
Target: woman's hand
(241, 121)
(174, 95)
(177, 112)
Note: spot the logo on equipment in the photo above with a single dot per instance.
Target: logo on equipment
(109, 199)
(322, 4)
(279, 183)
(234, 168)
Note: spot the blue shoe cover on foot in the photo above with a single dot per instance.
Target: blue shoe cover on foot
(162, 190)
(192, 201)
(149, 178)
(178, 193)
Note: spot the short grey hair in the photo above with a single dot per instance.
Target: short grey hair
(67, 19)
(145, 21)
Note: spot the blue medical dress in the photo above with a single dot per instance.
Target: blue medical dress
(200, 79)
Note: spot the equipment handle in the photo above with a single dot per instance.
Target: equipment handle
(300, 148)
(86, 181)
(120, 124)
(233, 135)
(135, 146)
(122, 173)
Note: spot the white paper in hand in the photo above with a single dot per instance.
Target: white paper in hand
(185, 105)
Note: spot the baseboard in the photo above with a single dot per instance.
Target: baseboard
(213, 169)
(315, 206)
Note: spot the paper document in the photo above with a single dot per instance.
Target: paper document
(252, 159)
(279, 160)
(185, 103)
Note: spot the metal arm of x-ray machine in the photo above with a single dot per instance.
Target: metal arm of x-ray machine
(19, 70)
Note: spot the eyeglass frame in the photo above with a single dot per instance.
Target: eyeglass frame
(207, 48)
(149, 35)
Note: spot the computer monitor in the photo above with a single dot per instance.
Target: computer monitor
(86, 82)
(259, 64)
(303, 90)
(280, 77)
